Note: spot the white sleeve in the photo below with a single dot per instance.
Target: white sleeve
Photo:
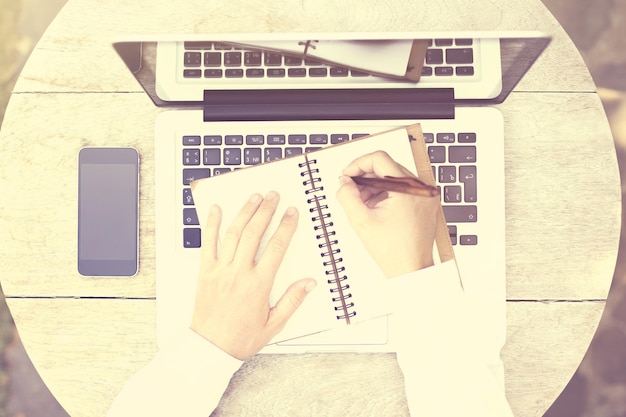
(186, 378)
(449, 367)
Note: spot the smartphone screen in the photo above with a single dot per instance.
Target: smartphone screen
(108, 211)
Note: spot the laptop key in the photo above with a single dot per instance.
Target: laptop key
(211, 156)
(443, 42)
(445, 137)
(467, 176)
(460, 214)
(255, 139)
(467, 137)
(220, 171)
(252, 156)
(339, 137)
(213, 73)
(444, 71)
(447, 174)
(255, 73)
(190, 217)
(192, 174)
(429, 137)
(297, 139)
(297, 72)
(275, 139)
(437, 154)
(452, 194)
(252, 58)
(272, 154)
(292, 151)
(187, 197)
(272, 59)
(338, 72)
(212, 140)
(232, 156)
(192, 237)
(198, 45)
(434, 56)
(193, 59)
(460, 56)
(191, 156)
(212, 59)
(452, 231)
(359, 135)
(275, 72)
(318, 139)
(234, 139)
(232, 59)
(462, 154)
(427, 71)
(293, 61)
(191, 140)
(234, 73)
(196, 73)
(464, 71)
(468, 240)
(318, 72)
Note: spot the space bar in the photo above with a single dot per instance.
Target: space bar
(460, 214)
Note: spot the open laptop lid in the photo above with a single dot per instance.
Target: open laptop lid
(501, 59)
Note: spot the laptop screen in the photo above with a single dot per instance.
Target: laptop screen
(330, 76)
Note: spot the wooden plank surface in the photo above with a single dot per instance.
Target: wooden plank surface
(563, 208)
(85, 349)
(562, 234)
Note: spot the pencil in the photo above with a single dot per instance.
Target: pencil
(405, 185)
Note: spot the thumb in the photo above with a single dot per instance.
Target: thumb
(289, 302)
(349, 197)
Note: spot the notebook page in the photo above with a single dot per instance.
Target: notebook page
(381, 56)
(303, 258)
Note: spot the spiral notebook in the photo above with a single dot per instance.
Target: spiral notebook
(325, 247)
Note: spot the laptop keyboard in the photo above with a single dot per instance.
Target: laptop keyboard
(453, 156)
(445, 59)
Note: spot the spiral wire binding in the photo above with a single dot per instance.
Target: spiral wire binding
(344, 306)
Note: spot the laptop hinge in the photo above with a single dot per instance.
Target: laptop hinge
(328, 104)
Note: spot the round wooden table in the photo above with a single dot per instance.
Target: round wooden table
(86, 337)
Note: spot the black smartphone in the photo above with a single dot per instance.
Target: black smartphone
(108, 211)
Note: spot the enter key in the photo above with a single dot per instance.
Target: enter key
(467, 175)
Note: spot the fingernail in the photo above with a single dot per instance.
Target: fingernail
(212, 210)
(291, 211)
(310, 286)
(271, 195)
(344, 179)
(255, 197)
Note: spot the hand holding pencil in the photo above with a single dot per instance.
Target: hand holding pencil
(392, 211)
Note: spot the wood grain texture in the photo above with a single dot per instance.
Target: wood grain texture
(85, 350)
(562, 234)
(562, 207)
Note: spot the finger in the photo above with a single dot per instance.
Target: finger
(278, 244)
(352, 199)
(210, 238)
(378, 163)
(230, 242)
(289, 303)
(377, 198)
(253, 232)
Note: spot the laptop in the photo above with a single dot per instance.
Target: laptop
(236, 100)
